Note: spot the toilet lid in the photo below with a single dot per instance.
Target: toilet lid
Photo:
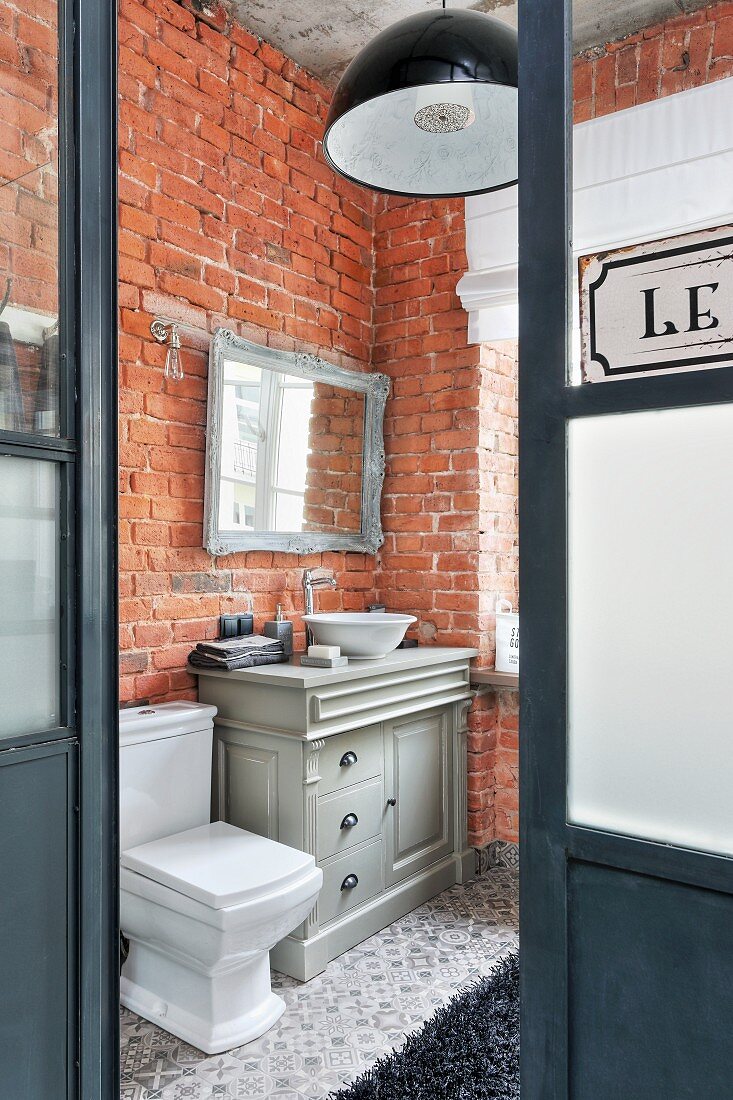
(219, 864)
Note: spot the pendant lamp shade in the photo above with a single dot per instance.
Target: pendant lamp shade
(429, 108)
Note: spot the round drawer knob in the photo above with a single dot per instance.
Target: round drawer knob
(347, 760)
(349, 821)
(349, 882)
(391, 801)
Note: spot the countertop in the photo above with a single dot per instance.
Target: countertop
(293, 675)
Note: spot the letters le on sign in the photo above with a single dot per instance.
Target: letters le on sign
(658, 308)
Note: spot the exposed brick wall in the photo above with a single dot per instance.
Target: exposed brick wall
(228, 215)
(493, 737)
(493, 778)
(682, 53)
(450, 497)
(430, 561)
(498, 502)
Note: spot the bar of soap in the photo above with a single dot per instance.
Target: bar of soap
(325, 652)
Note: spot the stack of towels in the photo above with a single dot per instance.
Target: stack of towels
(231, 653)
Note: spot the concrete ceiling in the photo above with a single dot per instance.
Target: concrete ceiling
(323, 35)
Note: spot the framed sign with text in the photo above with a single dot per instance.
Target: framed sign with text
(658, 308)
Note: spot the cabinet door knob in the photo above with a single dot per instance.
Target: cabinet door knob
(391, 801)
(349, 821)
(347, 759)
(349, 882)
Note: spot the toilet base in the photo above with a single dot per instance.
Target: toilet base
(212, 1010)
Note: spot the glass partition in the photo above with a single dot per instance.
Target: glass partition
(650, 751)
(29, 596)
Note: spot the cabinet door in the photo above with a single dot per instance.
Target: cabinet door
(419, 776)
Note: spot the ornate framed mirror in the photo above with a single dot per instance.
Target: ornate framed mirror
(294, 452)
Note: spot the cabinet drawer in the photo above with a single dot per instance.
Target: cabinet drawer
(337, 766)
(336, 813)
(365, 864)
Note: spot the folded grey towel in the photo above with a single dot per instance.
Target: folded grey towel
(239, 647)
(249, 660)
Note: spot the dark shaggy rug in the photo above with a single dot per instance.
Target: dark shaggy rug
(469, 1050)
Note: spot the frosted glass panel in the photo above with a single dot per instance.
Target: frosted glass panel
(650, 689)
(29, 612)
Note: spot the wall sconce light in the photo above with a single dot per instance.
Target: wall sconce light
(166, 332)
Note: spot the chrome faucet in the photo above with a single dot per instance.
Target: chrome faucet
(310, 583)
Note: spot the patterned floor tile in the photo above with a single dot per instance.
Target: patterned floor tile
(187, 1088)
(335, 1026)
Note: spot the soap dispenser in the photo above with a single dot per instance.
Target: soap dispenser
(281, 629)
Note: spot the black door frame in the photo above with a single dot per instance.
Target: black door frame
(86, 456)
(545, 227)
(95, 175)
(546, 403)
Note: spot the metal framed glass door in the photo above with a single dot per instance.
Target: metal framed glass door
(626, 774)
(57, 551)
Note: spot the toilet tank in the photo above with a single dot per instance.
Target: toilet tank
(165, 770)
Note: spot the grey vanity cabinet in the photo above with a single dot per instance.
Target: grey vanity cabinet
(363, 767)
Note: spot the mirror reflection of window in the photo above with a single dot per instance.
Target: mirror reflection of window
(264, 450)
(295, 396)
(241, 437)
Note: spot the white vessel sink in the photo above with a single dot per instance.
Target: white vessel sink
(364, 635)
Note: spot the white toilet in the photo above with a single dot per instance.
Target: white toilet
(202, 904)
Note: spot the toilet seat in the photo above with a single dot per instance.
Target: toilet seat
(220, 866)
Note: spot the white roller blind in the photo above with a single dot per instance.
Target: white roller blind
(649, 172)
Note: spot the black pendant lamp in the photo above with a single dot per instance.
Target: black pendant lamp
(429, 108)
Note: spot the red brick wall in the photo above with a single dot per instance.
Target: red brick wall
(493, 778)
(493, 745)
(228, 215)
(450, 497)
(430, 510)
(682, 53)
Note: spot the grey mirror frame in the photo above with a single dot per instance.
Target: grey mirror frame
(227, 345)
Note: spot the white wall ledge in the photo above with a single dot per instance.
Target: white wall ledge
(489, 677)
